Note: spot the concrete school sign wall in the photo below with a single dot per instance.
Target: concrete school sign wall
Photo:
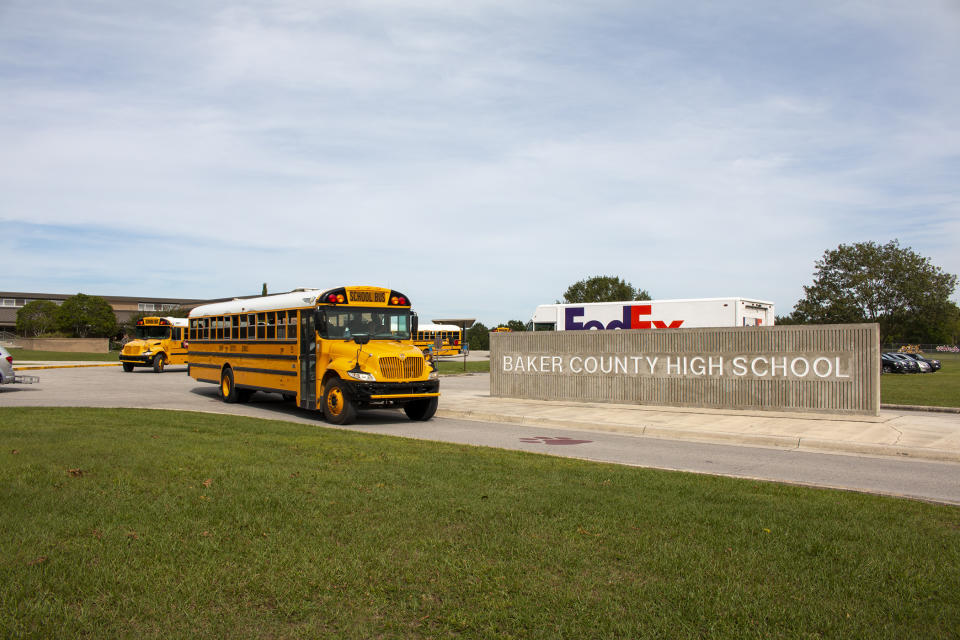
(825, 368)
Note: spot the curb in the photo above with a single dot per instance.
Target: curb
(916, 407)
(799, 443)
(63, 366)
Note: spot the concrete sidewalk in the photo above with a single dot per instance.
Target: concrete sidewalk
(900, 433)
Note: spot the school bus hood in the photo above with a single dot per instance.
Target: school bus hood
(136, 347)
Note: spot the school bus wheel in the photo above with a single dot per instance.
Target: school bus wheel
(127, 367)
(338, 407)
(421, 409)
(158, 361)
(228, 390)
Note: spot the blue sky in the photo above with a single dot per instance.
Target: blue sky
(478, 156)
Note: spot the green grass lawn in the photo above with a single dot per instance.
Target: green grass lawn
(157, 524)
(28, 354)
(457, 366)
(940, 389)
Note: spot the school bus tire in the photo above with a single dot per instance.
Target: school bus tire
(228, 390)
(127, 367)
(338, 406)
(159, 361)
(421, 410)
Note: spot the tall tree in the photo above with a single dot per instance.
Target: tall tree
(478, 337)
(887, 284)
(263, 290)
(36, 318)
(603, 289)
(86, 316)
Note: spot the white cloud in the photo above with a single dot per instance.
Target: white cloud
(481, 157)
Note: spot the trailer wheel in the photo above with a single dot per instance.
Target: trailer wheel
(158, 361)
(338, 407)
(421, 410)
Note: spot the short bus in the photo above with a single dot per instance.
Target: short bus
(450, 337)
(157, 343)
(335, 350)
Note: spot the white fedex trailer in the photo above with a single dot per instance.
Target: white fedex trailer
(653, 314)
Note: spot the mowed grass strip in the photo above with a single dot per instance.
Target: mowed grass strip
(150, 524)
(939, 389)
(59, 356)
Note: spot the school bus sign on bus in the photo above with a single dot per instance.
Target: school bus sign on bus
(336, 350)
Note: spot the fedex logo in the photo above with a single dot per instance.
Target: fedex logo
(631, 319)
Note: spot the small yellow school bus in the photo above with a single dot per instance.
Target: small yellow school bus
(158, 342)
(334, 350)
(449, 335)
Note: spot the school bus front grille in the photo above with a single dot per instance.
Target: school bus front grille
(395, 368)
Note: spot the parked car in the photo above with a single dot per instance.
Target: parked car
(912, 365)
(933, 363)
(7, 374)
(889, 364)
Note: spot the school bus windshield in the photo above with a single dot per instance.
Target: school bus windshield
(345, 323)
(152, 332)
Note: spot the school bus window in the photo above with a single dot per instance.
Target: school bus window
(242, 327)
(271, 326)
(281, 325)
(261, 325)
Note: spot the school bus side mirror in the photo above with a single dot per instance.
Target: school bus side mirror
(414, 324)
(362, 339)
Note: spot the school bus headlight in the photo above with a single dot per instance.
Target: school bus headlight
(434, 375)
(361, 375)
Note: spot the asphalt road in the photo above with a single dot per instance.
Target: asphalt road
(111, 387)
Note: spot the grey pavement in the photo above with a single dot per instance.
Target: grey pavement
(925, 435)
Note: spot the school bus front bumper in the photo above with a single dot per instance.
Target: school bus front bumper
(393, 393)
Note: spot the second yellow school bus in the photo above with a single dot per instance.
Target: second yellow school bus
(158, 342)
(336, 350)
(427, 334)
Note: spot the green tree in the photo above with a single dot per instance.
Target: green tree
(85, 316)
(37, 318)
(263, 291)
(516, 325)
(478, 337)
(603, 289)
(869, 282)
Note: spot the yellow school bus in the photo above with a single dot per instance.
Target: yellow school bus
(449, 334)
(158, 342)
(334, 350)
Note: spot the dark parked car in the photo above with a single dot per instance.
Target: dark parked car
(934, 364)
(910, 365)
(890, 364)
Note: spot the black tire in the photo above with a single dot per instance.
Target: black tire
(421, 410)
(887, 368)
(338, 406)
(158, 361)
(127, 366)
(228, 390)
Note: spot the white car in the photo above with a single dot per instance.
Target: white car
(7, 374)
